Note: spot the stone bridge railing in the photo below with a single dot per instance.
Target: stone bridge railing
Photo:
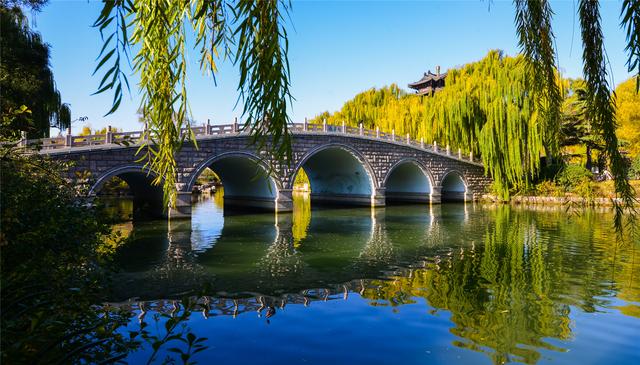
(137, 137)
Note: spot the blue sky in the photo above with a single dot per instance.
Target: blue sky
(337, 49)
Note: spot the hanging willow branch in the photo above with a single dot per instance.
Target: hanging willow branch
(630, 15)
(159, 31)
(601, 104)
(264, 73)
(536, 39)
(486, 108)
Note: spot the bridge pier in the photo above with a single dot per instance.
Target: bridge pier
(179, 236)
(436, 194)
(355, 200)
(284, 201)
(182, 207)
(379, 198)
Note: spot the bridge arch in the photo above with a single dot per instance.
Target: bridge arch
(454, 186)
(147, 197)
(338, 175)
(408, 181)
(245, 178)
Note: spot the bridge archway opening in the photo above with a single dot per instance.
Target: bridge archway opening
(407, 183)
(454, 188)
(337, 177)
(145, 199)
(246, 184)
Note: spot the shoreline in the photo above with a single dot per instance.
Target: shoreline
(556, 200)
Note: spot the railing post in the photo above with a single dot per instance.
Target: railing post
(459, 153)
(305, 127)
(235, 125)
(23, 139)
(207, 128)
(393, 134)
(109, 137)
(361, 129)
(324, 125)
(145, 131)
(471, 156)
(448, 151)
(377, 132)
(408, 139)
(435, 146)
(69, 140)
(421, 142)
(344, 128)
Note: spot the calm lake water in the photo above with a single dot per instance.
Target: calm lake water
(449, 284)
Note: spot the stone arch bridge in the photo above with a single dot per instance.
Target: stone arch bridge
(345, 166)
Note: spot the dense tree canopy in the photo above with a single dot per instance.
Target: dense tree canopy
(26, 77)
(628, 116)
(486, 108)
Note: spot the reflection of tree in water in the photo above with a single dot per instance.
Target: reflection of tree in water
(508, 292)
(511, 292)
(282, 259)
(176, 273)
(301, 217)
(379, 248)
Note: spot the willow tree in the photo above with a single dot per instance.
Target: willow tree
(628, 114)
(26, 78)
(486, 108)
(251, 32)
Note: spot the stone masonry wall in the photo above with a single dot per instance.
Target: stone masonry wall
(378, 156)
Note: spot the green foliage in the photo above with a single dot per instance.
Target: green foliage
(601, 105)
(55, 252)
(86, 130)
(533, 24)
(485, 107)
(13, 121)
(630, 15)
(254, 28)
(27, 79)
(548, 188)
(634, 170)
(51, 271)
(115, 186)
(573, 175)
(628, 116)
(208, 176)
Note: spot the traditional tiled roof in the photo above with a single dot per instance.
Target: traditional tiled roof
(428, 76)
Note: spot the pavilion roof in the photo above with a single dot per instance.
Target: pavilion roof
(428, 76)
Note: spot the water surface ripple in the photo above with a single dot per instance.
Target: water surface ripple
(465, 284)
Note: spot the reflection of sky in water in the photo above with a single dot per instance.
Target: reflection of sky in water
(206, 223)
(407, 284)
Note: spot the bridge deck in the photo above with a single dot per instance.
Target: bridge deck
(136, 138)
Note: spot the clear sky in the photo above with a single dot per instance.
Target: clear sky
(337, 49)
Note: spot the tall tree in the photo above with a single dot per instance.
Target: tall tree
(485, 109)
(576, 128)
(628, 116)
(255, 32)
(25, 75)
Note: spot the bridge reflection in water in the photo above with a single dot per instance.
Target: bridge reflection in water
(502, 282)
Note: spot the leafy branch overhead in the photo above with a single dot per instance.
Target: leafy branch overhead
(253, 35)
(251, 32)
